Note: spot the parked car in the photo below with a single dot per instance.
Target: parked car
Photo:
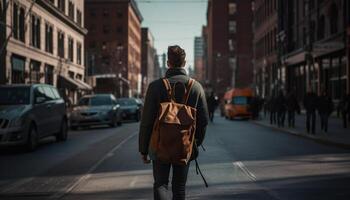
(29, 113)
(99, 109)
(131, 108)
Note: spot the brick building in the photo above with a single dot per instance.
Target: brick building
(314, 51)
(149, 60)
(229, 44)
(45, 44)
(265, 45)
(114, 46)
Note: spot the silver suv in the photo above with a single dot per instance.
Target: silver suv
(29, 113)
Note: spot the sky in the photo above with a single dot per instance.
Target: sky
(174, 22)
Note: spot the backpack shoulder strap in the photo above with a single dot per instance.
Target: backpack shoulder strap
(188, 90)
(167, 87)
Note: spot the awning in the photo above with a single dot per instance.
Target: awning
(87, 86)
(73, 84)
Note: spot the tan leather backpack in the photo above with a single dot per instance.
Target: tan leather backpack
(174, 130)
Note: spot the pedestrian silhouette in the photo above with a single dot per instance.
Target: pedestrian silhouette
(310, 105)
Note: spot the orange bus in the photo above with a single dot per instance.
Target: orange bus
(236, 103)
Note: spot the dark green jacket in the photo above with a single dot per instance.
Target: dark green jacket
(156, 93)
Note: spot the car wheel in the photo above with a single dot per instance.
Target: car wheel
(63, 134)
(32, 142)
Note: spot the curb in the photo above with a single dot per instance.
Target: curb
(306, 136)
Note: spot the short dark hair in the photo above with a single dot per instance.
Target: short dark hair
(176, 56)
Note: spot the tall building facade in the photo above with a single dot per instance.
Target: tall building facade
(149, 65)
(114, 46)
(229, 44)
(265, 28)
(314, 47)
(45, 44)
(199, 69)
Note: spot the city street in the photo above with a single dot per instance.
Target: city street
(242, 161)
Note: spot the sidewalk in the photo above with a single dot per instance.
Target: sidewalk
(336, 135)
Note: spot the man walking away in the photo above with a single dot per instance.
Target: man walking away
(345, 109)
(272, 108)
(212, 104)
(325, 109)
(292, 108)
(310, 103)
(281, 109)
(184, 98)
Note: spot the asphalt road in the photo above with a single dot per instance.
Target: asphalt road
(242, 161)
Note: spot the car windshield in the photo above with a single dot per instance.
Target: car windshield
(240, 100)
(95, 101)
(126, 102)
(14, 96)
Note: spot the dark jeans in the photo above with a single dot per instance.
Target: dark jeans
(310, 121)
(161, 172)
(324, 122)
(291, 118)
(280, 118)
(211, 115)
(272, 117)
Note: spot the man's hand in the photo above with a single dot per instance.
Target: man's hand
(145, 159)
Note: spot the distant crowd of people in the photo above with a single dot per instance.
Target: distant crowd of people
(281, 107)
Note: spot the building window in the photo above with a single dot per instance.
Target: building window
(18, 69)
(119, 30)
(232, 8)
(79, 53)
(52, 1)
(334, 19)
(18, 22)
(48, 38)
(60, 44)
(79, 77)
(35, 71)
(35, 41)
(312, 33)
(49, 69)
(232, 26)
(231, 45)
(71, 49)
(71, 10)
(106, 29)
(119, 14)
(321, 28)
(92, 13)
(105, 13)
(79, 18)
(71, 74)
(92, 45)
(62, 5)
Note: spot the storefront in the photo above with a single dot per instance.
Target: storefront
(327, 73)
(333, 74)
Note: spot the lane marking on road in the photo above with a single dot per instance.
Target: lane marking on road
(133, 182)
(253, 178)
(245, 170)
(88, 174)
